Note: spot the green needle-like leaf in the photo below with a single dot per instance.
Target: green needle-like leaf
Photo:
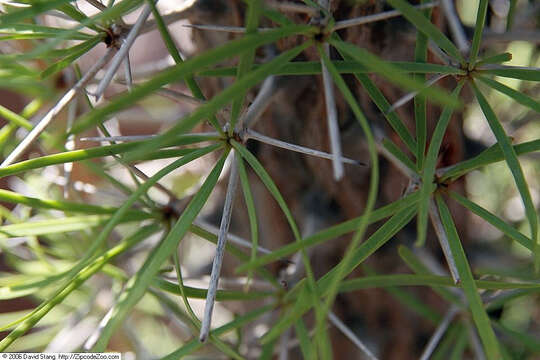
(34, 31)
(478, 30)
(74, 53)
(489, 156)
(90, 153)
(429, 169)
(62, 225)
(514, 72)
(19, 120)
(494, 220)
(479, 315)
(388, 71)
(15, 198)
(424, 25)
(515, 167)
(514, 94)
(252, 215)
(246, 59)
(420, 104)
(222, 295)
(28, 12)
(344, 67)
(383, 281)
(414, 263)
(399, 155)
(380, 101)
(495, 59)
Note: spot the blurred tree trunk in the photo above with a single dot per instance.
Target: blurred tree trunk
(297, 115)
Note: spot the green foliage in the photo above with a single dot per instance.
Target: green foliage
(73, 243)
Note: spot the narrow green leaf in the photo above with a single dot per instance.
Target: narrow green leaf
(399, 155)
(384, 106)
(7, 131)
(168, 153)
(420, 103)
(460, 346)
(478, 30)
(479, 315)
(10, 317)
(494, 220)
(332, 232)
(389, 72)
(380, 101)
(383, 281)
(489, 156)
(76, 15)
(276, 16)
(374, 242)
(495, 59)
(61, 225)
(35, 9)
(344, 67)
(514, 72)
(515, 167)
(137, 286)
(15, 198)
(246, 59)
(418, 267)
(19, 120)
(306, 345)
(428, 175)
(424, 25)
(90, 153)
(24, 288)
(44, 31)
(222, 295)
(19, 288)
(514, 94)
(74, 53)
(24, 36)
(252, 215)
(443, 349)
